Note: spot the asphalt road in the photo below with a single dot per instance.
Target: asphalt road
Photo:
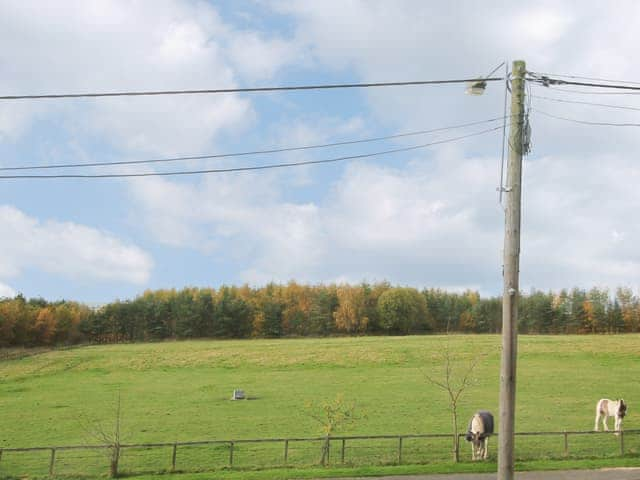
(602, 474)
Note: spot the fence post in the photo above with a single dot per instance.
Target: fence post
(328, 450)
(173, 457)
(621, 443)
(566, 444)
(231, 453)
(344, 441)
(399, 450)
(52, 461)
(0, 454)
(286, 451)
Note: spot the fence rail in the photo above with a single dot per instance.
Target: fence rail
(205, 455)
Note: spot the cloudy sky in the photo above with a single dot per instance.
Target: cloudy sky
(428, 217)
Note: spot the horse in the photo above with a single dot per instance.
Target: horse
(480, 428)
(610, 408)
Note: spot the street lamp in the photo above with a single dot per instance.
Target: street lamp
(476, 88)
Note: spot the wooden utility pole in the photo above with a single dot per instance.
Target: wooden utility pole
(511, 270)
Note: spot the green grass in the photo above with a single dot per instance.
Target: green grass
(179, 391)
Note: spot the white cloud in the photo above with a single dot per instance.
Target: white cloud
(6, 291)
(67, 249)
(259, 58)
(578, 227)
(120, 45)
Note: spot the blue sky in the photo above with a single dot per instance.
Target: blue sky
(424, 218)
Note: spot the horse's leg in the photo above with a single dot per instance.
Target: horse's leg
(473, 450)
(486, 447)
(595, 427)
(605, 418)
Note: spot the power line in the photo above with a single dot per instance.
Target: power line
(586, 122)
(244, 90)
(496, 69)
(577, 77)
(584, 92)
(544, 80)
(251, 168)
(248, 153)
(585, 103)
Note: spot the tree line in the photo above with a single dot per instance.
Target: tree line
(295, 310)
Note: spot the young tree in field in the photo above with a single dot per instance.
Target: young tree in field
(111, 438)
(454, 383)
(332, 416)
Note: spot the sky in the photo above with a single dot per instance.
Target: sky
(425, 218)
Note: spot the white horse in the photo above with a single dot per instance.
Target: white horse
(610, 408)
(480, 428)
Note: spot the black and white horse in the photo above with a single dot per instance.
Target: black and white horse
(610, 408)
(480, 428)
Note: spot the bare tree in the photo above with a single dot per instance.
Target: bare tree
(454, 383)
(110, 438)
(332, 415)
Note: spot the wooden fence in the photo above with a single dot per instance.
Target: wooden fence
(210, 455)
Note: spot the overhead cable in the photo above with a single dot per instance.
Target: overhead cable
(577, 77)
(546, 81)
(560, 100)
(582, 92)
(248, 153)
(243, 90)
(585, 122)
(496, 69)
(253, 167)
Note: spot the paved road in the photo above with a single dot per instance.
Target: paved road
(602, 474)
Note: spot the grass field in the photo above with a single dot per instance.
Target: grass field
(179, 391)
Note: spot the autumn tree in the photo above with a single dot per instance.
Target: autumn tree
(629, 309)
(268, 313)
(332, 416)
(350, 316)
(297, 307)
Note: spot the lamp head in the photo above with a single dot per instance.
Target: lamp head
(476, 88)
